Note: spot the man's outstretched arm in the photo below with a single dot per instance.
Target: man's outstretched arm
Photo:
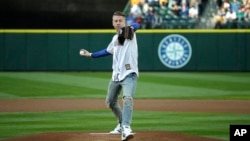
(97, 54)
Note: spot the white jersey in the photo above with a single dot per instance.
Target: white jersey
(125, 58)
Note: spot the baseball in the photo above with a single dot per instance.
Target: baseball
(82, 52)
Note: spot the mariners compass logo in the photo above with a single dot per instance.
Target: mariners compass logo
(174, 51)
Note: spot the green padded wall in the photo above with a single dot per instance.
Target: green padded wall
(59, 51)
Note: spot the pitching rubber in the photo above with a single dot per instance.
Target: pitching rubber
(107, 134)
(108, 137)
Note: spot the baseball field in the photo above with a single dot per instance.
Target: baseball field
(169, 106)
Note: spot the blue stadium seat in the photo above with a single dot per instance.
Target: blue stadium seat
(173, 24)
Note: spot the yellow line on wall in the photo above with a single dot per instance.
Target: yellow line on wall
(148, 31)
(195, 31)
(57, 31)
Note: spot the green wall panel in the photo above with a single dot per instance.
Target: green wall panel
(206, 52)
(146, 50)
(77, 42)
(241, 51)
(227, 52)
(194, 42)
(37, 51)
(15, 52)
(98, 42)
(247, 52)
(1, 51)
(58, 52)
(211, 51)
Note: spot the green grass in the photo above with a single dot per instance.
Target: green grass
(150, 85)
(196, 85)
(163, 85)
(201, 124)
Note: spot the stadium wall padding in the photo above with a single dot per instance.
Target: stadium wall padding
(211, 51)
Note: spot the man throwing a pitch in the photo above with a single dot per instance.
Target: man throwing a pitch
(124, 49)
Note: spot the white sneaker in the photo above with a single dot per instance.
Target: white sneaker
(117, 130)
(126, 133)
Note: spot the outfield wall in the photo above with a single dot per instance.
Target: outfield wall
(58, 50)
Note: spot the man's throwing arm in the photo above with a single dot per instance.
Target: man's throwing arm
(100, 53)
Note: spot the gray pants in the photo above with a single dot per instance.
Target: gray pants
(128, 85)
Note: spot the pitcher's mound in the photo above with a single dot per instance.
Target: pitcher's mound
(97, 136)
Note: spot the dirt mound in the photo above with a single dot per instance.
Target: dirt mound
(83, 136)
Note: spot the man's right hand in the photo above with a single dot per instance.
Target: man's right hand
(85, 53)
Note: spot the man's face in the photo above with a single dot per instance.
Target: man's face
(118, 22)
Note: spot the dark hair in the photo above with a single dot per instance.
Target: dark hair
(118, 13)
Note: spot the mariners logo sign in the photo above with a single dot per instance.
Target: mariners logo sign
(174, 51)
